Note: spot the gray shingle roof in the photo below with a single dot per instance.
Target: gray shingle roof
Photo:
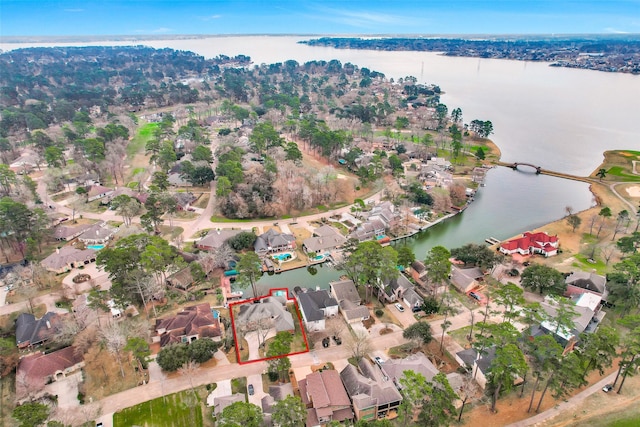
(313, 302)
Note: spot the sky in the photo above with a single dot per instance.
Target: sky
(173, 17)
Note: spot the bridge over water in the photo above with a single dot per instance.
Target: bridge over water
(540, 171)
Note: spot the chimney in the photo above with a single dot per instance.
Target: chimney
(57, 250)
(48, 325)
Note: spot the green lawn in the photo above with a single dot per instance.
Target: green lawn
(174, 410)
(145, 133)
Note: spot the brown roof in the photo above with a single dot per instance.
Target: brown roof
(192, 320)
(36, 368)
(66, 255)
(326, 389)
(66, 231)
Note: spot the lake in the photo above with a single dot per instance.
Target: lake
(558, 118)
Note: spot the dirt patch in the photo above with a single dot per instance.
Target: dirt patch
(633, 191)
(102, 374)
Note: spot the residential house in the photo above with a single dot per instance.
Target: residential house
(66, 233)
(272, 309)
(531, 243)
(315, 307)
(221, 402)
(97, 234)
(372, 395)
(385, 212)
(66, 258)
(192, 323)
(273, 241)
(182, 279)
(369, 230)
(479, 363)
(418, 270)
(466, 279)
(96, 192)
(215, 239)
(325, 397)
(37, 369)
(399, 288)
(31, 331)
(184, 200)
(345, 292)
(277, 393)
(418, 363)
(580, 282)
(28, 161)
(324, 239)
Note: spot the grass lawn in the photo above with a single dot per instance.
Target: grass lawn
(174, 410)
(137, 144)
(239, 385)
(584, 264)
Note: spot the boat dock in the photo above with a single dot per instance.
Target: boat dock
(492, 240)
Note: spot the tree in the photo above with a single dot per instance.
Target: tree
(438, 410)
(476, 255)
(249, 271)
(371, 264)
(544, 355)
(139, 348)
(31, 414)
(438, 265)
(127, 207)
(508, 363)
(264, 136)
(289, 412)
(604, 213)
(597, 350)
(510, 296)
(406, 257)
(480, 155)
(241, 241)
(114, 338)
(202, 350)
(624, 284)
(160, 180)
(202, 153)
(419, 332)
(601, 173)
(360, 345)
(240, 414)
(574, 222)
(172, 357)
(543, 279)
(189, 370)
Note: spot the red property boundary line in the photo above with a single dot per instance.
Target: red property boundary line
(271, 293)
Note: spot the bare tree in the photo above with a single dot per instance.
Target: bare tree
(468, 389)
(360, 345)
(189, 370)
(67, 330)
(115, 340)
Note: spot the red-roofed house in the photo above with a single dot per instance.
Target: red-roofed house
(531, 243)
(325, 397)
(192, 323)
(38, 369)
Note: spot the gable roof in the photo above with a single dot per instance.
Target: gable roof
(221, 402)
(326, 238)
(312, 303)
(345, 290)
(99, 231)
(366, 386)
(412, 297)
(590, 281)
(267, 308)
(63, 232)
(539, 240)
(354, 311)
(272, 239)
(418, 362)
(96, 190)
(418, 266)
(35, 368)
(324, 389)
(32, 331)
(463, 278)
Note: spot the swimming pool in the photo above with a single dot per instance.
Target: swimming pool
(95, 247)
(286, 256)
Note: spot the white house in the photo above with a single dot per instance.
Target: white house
(315, 307)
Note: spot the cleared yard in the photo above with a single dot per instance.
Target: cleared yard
(182, 409)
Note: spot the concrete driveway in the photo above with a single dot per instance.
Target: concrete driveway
(256, 381)
(405, 318)
(253, 339)
(3, 296)
(67, 390)
(223, 389)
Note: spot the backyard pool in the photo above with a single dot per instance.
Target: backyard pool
(321, 257)
(285, 256)
(95, 247)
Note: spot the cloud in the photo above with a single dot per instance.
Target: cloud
(161, 30)
(74, 10)
(615, 31)
(361, 19)
(210, 17)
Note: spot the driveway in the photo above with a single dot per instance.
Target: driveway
(67, 390)
(3, 296)
(253, 339)
(258, 394)
(223, 389)
(99, 277)
(405, 318)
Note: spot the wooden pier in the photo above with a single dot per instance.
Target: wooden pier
(492, 240)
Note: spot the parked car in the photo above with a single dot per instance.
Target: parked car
(474, 296)
(416, 308)
(378, 360)
(338, 340)
(326, 341)
(607, 388)
(251, 390)
(399, 307)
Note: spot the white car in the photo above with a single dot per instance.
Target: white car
(399, 307)
(378, 360)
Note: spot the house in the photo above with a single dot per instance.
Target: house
(478, 363)
(65, 233)
(392, 290)
(349, 301)
(192, 323)
(369, 230)
(580, 282)
(324, 239)
(531, 243)
(372, 396)
(31, 331)
(418, 270)
(66, 258)
(96, 192)
(273, 241)
(219, 403)
(325, 397)
(37, 369)
(24, 164)
(277, 393)
(418, 363)
(215, 239)
(97, 234)
(184, 200)
(315, 306)
(181, 279)
(466, 279)
(272, 308)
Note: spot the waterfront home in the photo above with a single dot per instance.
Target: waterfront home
(192, 323)
(325, 397)
(580, 282)
(345, 292)
(398, 288)
(272, 309)
(66, 258)
(324, 239)
(315, 307)
(531, 243)
(273, 241)
(373, 396)
(466, 279)
(369, 230)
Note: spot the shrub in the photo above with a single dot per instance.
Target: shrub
(379, 312)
